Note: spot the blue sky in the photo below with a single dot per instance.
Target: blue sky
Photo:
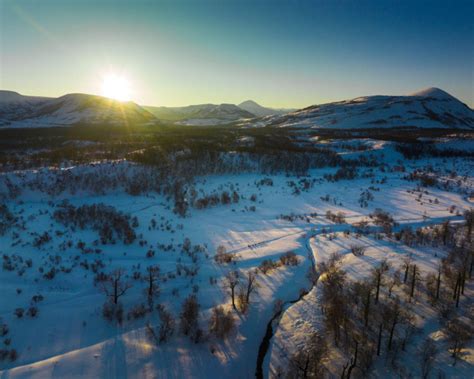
(279, 53)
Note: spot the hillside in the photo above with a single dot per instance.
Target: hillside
(260, 111)
(430, 108)
(18, 111)
(202, 114)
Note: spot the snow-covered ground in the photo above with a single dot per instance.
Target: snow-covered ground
(69, 338)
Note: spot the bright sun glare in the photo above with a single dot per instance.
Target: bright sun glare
(116, 87)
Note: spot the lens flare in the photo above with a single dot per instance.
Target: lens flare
(116, 87)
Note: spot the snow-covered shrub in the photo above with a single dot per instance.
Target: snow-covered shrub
(150, 254)
(37, 298)
(112, 311)
(6, 219)
(338, 218)
(222, 256)
(221, 322)
(19, 312)
(50, 274)
(364, 198)
(289, 259)
(104, 219)
(267, 265)
(11, 355)
(357, 250)
(3, 330)
(189, 317)
(42, 239)
(167, 324)
(138, 311)
(32, 311)
(383, 219)
(8, 264)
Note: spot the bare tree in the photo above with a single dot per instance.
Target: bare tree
(153, 274)
(365, 355)
(308, 362)
(221, 323)
(349, 366)
(222, 256)
(414, 278)
(189, 315)
(469, 218)
(167, 325)
(379, 336)
(409, 327)
(406, 266)
(455, 269)
(427, 356)
(458, 334)
(445, 233)
(114, 286)
(250, 285)
(377, 275)
(334, 304)
(312, 275)
(362, 292)
(430, 283)
(394, 281)
(231, 282)
(438, 281)
(393, 314)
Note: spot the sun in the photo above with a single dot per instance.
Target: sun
(116, 87)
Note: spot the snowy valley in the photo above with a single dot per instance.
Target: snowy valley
(333, 241)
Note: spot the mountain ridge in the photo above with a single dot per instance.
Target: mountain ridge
(261, 111)
(427, 108)
(18, 111)
(217, 113)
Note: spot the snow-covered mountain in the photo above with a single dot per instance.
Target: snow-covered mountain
(255, 108)
(429, 108)
(202, 114)
(18, 111)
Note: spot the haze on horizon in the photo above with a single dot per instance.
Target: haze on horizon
(278, 53)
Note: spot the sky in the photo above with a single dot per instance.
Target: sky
(279, 53)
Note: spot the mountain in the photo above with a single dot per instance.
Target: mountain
(429, 108)
(15, 97)
(202, 114)
(255, 108)
(18, 111)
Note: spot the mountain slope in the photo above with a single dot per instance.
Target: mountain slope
(17, 111)
(255, 108)
(429, 108)
(201, 114)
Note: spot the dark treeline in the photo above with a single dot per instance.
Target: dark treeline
(37, 147)
(418, 150)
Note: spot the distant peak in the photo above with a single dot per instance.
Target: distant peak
(432, 92)
(249, 102)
